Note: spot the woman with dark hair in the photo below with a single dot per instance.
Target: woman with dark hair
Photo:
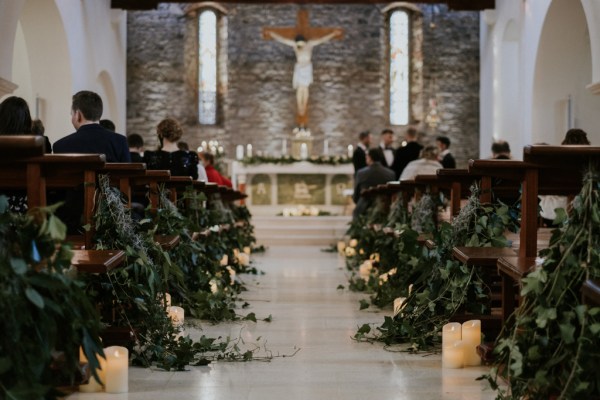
(168, 156)
(576, 136)
(15, 118)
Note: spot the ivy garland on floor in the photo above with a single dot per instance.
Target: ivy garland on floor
(445, 286)
(552, 351)
(46, 315)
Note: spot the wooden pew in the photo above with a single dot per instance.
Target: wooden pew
(590, 292)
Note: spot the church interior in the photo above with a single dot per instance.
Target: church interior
(263, 284)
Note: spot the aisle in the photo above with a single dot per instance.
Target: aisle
(299, 291)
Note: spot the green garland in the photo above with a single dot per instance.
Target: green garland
(553, 349)
(46, 315)
(319, 160)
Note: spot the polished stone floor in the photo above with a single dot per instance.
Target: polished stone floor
(309, 314)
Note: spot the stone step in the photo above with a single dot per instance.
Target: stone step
(301, 231)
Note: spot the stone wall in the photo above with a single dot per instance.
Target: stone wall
(349, 93)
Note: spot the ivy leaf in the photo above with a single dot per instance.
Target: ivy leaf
(340, 287)
(561, 216)
(18, 265)
(35, 297)
(543, 315)
(595, 328)
(250, 317)
(268, 319)
(364, 304)
(56, 228)
(364, 329)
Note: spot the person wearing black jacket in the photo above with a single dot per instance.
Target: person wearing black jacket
(407, 152)
(359, 157)
(445, 157)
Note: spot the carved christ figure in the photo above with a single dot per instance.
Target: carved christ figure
(303, 70)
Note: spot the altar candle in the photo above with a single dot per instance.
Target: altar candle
(177, 315)
(326, 147)
(203, 144)
(453, 355)
(451, 333)
(117, 369)
(249, 150)
(350, 151)
(239, 152)
(284, 147)
(93, 385)
(303, 151)
(471, 337)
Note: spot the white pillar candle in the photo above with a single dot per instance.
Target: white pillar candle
(249, 150)
(303, 151)
(471, 337)
(117, 369)
(93, 385)
(220, 150)
(283, 147)
(451, 333)
(453, 355)
(203, 144)
(177, 315)
(350, 151)
(326, 147)
(239, 152)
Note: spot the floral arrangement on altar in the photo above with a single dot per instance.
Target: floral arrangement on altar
(286, 159)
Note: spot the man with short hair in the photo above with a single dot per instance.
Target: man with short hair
(372, 175)
(359, 157)
(385, 146)
(90, 137)
(408, 152)
(445, 157)
(136, 147)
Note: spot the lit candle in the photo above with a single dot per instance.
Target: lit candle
(284, 147)
(452, 355)
(326, 147)
(303, 151)
(203, 144)
(93, 385)
(471, 337)
(451, 333)
(117, 369)
(249, 150)
(177, 315)
(239, 152)
(350, 151)
(167, 300)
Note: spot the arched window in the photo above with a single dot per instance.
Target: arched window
(399, 67)
(207, 67)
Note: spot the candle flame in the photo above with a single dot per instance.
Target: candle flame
(117, 354)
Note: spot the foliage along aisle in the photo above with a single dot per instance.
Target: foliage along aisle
(444, 286)
(552, 351)
(46, 315)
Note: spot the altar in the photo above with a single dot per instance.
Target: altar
(271, 187)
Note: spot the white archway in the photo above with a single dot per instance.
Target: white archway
(109, 100)
(563, 69)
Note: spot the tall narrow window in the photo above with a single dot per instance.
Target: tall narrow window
(207, 68)
(399, 68)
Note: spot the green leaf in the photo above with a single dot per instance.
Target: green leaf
(561, 216)
(18, 265)
(543, 315)
(595, 328)
(35, 297)
(340, 287)
(567, 332)
(365, 328)
(56, 228)
(268, 319)
(364, 304)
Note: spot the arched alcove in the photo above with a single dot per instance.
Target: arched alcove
(562, 71)
(109, 100)
(41, 66)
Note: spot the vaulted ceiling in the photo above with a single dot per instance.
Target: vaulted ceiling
(458, 5)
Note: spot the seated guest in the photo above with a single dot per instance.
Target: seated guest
(208, 159)
(15, 119)
(168, 156)
(38, 129)
(91, 138)
(108, 124)
(183, 146)
(372, 175)
(359, 157)
(501, 150)
(136, 147)
(426, 165)
(445, 157)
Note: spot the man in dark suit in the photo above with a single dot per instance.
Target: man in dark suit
(409, 151)
(386, 149)
(90, 137)
(373, 174)
(445, 157)
(359, 157)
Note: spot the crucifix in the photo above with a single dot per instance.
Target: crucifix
(302, 38)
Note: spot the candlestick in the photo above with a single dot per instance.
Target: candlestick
(453, 355)
(471, 337)
(249, 150)
(451, 333)
(326, 147)
(117, 369)
(284, 147)
(303, 151)
(239, 152)
(350, 151)
(177, 315)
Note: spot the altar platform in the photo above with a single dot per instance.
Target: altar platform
(271, 187)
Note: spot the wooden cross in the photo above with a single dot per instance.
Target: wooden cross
(309, 33)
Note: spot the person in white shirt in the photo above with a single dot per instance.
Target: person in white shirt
(426, 165)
